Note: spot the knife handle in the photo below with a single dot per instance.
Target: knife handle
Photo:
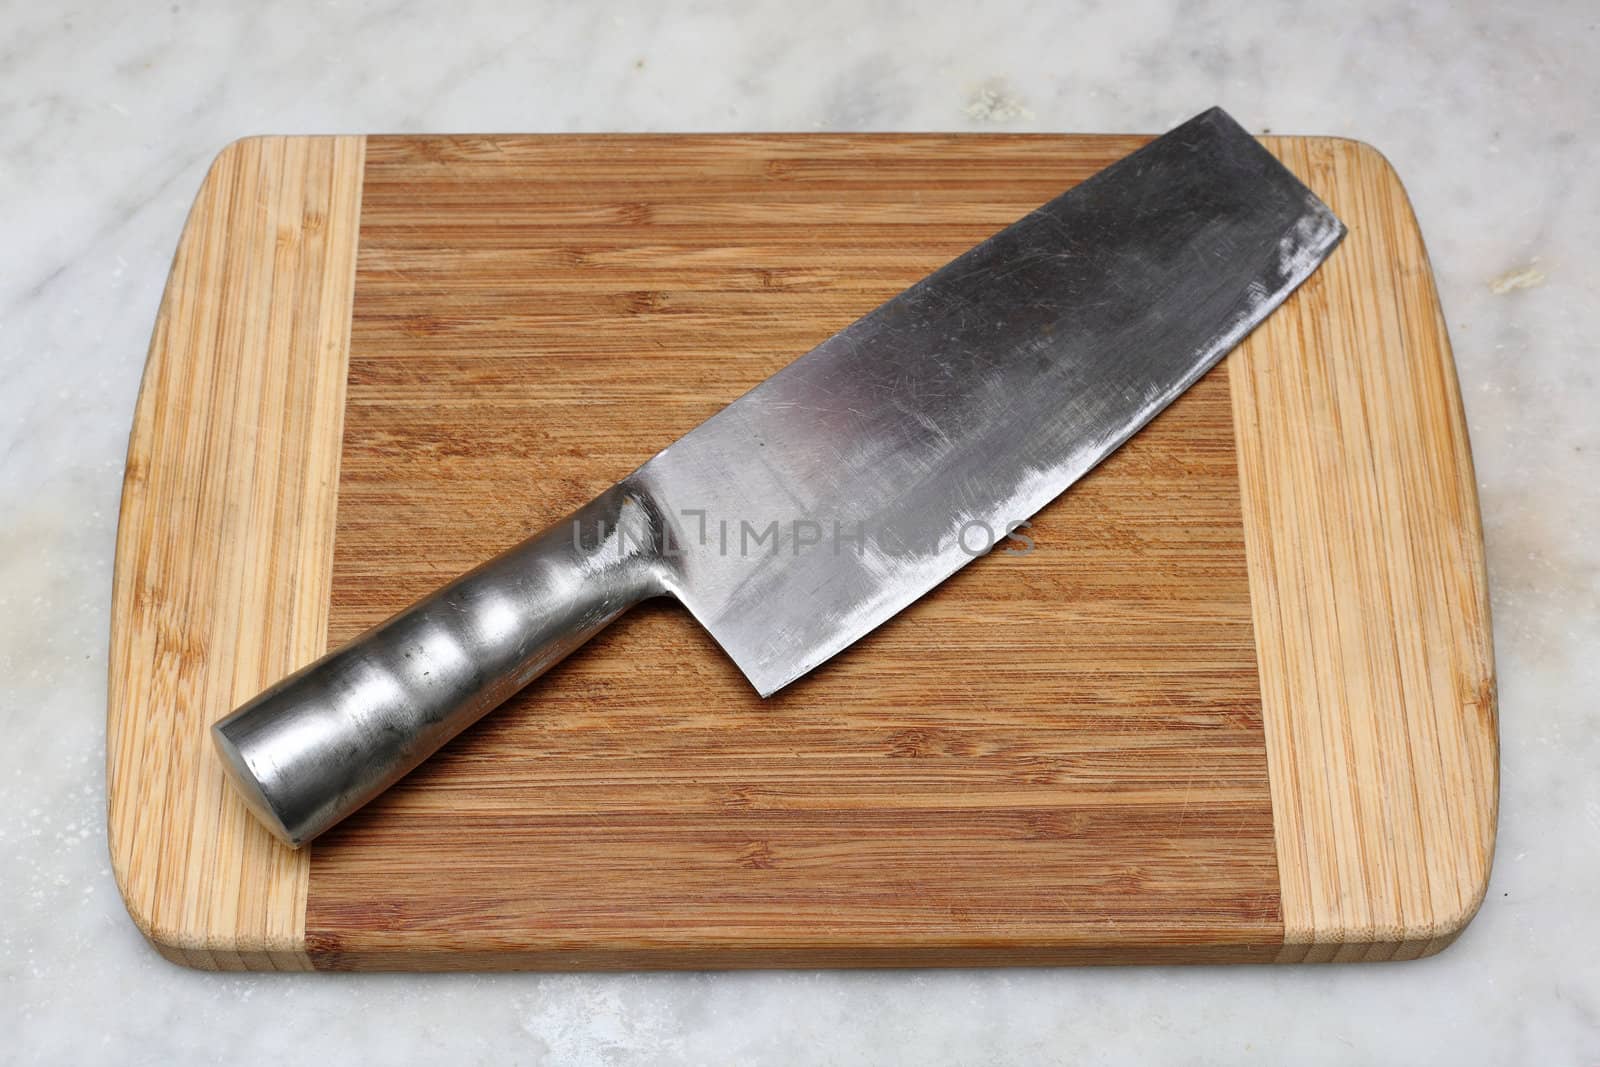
(321, 743)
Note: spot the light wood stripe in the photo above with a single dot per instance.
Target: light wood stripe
(225, 545)
(1368, 587)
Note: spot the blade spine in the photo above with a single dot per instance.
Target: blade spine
(1106, 173)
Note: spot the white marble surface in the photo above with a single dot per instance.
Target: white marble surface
(108, 115)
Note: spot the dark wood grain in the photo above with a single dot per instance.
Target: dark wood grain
(1056, 757)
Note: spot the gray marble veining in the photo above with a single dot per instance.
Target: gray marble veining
(108, 116)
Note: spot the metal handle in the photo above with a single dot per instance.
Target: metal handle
(324, 741)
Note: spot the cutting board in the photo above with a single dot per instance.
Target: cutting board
(1238, 703)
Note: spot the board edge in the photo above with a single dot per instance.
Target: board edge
(260, 288)
(1367, 874)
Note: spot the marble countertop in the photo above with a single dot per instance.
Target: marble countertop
(109, 114)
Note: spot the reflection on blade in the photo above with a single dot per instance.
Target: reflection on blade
(849, 484)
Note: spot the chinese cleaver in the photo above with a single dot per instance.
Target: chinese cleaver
(849, 484)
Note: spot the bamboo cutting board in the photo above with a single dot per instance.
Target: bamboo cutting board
(1238, 703)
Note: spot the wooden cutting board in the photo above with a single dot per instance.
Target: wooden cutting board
(1238, 704)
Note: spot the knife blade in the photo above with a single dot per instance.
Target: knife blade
(830, 496)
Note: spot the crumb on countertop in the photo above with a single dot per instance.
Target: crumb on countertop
(993, 101)
(1528, 276)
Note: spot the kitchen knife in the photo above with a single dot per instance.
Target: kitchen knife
(847, 485)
